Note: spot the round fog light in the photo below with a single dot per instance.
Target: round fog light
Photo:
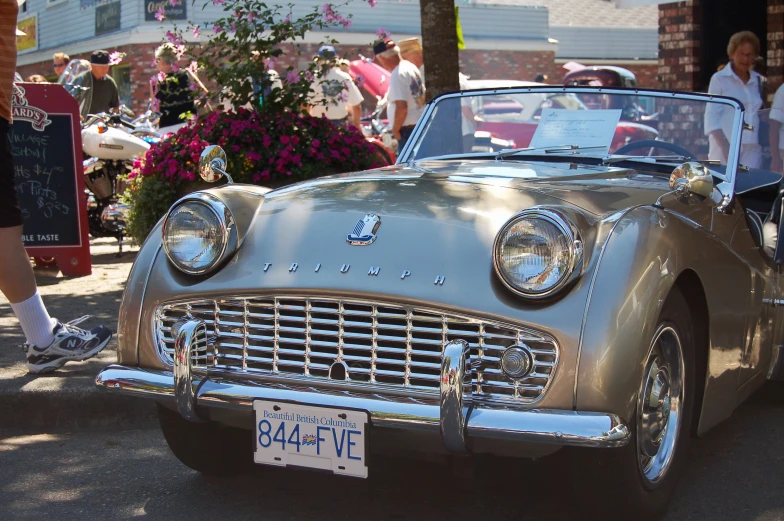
(517, 362)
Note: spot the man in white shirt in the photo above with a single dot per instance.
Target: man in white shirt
(406, 94)
(776, 131)
(337, 97)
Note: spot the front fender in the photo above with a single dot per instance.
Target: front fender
(648, 249)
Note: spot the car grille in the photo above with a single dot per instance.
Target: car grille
(389, 344)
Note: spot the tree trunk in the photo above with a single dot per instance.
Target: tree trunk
(439, 43)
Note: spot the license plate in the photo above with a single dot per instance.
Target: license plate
(311, 436)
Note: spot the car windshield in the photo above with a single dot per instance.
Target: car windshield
(579, 120)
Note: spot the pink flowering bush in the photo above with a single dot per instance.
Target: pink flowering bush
(272, 145)
(269, 149)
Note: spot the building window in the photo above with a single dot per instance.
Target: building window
(122, 77)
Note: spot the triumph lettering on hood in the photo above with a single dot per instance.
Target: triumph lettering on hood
(373, 271)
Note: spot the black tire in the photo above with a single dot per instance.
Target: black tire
(610, 481)
(210, 447)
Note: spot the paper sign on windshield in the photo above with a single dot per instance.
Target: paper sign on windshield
(583, 128)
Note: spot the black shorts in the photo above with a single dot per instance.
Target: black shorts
(10, 214)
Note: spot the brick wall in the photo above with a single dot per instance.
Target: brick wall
(510, 65)
(679, 45)
(478, 64)
(647, 75)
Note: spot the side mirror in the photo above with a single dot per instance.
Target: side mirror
(694, 179)
(212, 164)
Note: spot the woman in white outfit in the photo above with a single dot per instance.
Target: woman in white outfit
(736, 80)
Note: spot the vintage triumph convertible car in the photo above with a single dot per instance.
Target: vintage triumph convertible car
(514, 303)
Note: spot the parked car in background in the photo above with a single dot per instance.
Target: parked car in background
(514, 116)
(567, 295)
(612, 76)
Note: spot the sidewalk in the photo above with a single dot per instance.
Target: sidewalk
(68, 398)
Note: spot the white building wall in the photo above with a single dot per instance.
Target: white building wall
(606, 42)
(67, 27)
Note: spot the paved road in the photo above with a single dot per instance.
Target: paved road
(735, 473)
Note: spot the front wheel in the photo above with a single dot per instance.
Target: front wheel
(209, 447)
(639, 479)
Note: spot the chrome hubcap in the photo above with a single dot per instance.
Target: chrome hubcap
(659, 405)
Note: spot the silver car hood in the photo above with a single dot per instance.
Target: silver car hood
(437, 219)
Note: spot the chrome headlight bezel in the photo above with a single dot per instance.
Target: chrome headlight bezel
(573, 239)
(227, 225)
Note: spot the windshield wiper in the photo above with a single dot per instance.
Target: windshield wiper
(574, 149)
(658, 159)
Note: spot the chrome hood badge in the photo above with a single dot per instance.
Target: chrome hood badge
(365, 230)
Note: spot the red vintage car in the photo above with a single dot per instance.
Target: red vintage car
(611, 76)
(506, 116)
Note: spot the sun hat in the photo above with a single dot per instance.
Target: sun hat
(409, 45)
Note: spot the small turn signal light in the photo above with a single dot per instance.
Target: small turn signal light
(517, 362)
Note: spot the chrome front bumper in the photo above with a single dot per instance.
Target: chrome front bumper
(453, 416)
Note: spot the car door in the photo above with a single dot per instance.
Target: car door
(760, 310)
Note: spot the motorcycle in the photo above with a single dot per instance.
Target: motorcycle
(377, 133)
(110, 147)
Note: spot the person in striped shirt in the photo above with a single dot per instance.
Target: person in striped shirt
(50, 343)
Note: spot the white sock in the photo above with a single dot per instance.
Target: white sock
(35, 321)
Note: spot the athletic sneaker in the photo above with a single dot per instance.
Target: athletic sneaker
(70, 344)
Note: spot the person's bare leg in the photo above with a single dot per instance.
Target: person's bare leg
(17, 281)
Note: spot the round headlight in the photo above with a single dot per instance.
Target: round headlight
(197, 234)
(536, 252)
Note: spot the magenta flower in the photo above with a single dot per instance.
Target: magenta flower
(382, 33)
(217, 28)
(196, 31)
(116, 57)
(160, 14)
(373, 3)
(174, 3)
(292, 77)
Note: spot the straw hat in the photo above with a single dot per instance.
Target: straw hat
(409, 45)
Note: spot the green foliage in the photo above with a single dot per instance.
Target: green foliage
(244, 47)
(149, 198)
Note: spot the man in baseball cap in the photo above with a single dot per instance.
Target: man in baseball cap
(337, 98)
(105, 96)
(406, 94)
